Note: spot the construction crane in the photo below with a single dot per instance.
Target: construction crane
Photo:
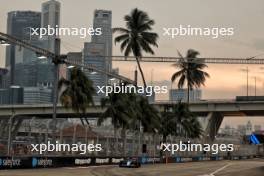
(251, 60)
(58, 59)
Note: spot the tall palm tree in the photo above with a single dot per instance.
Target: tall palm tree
(194, 129)
(77, 92)
(167, 126)
(146, 116)
(191, 72)
(186, 121)
(137, 37)
(118, 109)
(180, 121)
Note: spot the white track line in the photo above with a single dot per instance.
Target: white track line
(216, 171)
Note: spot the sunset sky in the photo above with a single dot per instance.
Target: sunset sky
(226, 81)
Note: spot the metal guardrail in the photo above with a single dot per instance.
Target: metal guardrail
(209, 60)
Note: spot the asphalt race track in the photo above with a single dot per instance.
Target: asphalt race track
(212, 168)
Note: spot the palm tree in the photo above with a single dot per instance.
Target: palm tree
(168, 126)
(186, 121)
(136, 37)
(77, 92)
(180, 121)
(148, 115)
(191, 71)
(118, 109)
(145, 115)
(194, 129)
(126, 110)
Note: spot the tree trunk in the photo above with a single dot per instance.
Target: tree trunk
(188, 84)
(124, 141)
(188, 93)
(116, 143)
(133, 143)
(154, 144)
(139, 139)
(164, 140)
(145, 85)
(141, 72)
(3, 128)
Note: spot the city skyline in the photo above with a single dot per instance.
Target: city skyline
(100, 86)
(245, 42)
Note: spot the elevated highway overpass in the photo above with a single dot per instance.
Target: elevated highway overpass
(201, 108)
(213, 110)
(225, 107)
(216, 110)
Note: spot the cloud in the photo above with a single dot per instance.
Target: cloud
(258, 44)
(162, 83)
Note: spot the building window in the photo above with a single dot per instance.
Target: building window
(105, 15)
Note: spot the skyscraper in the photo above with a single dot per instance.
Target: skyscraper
(3, 73)
(50, 16)
(103, 20)
(101, 45)
(18, 25)
(39, 95)
(26, 69)
(182, 95)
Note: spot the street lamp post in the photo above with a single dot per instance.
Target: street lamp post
(56, 62)
(9, 144)
(247, 82)
(246, 70)
(10, 122)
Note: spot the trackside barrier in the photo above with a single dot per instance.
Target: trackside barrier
(45, 162)
(179, 159)
(148, 160)
(49, 162)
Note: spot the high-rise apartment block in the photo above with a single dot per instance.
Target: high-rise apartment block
(182, 95)
(18, 25)
(25, 68)
(50, 16)
(95, 51)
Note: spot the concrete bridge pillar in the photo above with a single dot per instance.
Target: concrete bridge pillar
(214, 122)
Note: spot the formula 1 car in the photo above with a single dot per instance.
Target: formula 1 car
(130, 162)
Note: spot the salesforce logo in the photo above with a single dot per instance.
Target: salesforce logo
(34, 162)
(254, 139)
(41, 162)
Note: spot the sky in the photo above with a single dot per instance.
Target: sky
(225, 82)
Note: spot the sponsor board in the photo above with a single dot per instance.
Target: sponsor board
(153, 160)
(186, 159)
(9, 163)
(235, 158)
(206, 159)
(116, 160)
(102, 161)
(82, 161)
(42, 162)
(182, 160)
